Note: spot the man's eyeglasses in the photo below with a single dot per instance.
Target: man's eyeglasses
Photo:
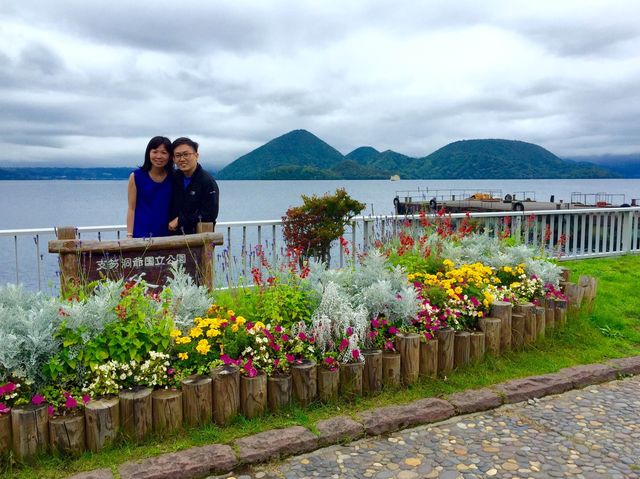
(179, 156)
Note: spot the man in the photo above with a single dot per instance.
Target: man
(195, 192)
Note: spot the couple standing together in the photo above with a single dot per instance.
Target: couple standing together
(164, 201)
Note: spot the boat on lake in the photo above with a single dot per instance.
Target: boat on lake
(481, 200)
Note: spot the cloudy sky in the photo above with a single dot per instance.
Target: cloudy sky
(88, 83)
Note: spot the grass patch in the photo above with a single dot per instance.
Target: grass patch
(610, 329)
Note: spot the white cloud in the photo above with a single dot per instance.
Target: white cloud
(88, 83)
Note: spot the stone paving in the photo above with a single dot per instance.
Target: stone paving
(586, 433)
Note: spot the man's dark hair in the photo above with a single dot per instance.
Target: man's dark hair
(183, 140)
(154, 143)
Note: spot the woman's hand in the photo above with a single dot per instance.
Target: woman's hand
(173, 224)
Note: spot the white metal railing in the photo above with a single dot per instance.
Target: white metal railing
(567, 234)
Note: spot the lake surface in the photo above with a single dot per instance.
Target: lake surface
(40, 204)
(43, 204)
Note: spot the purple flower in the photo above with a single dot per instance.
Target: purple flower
(170, 372)
(37, 399)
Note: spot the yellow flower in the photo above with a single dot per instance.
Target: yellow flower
(240, 320)
(195, 332)
(514, 285)
(234, 328)
(480, 314)
(448, 263)
(183, 356)
(175, 333)
(507, 269)
(203, 347)
(183, 340)
(213, 332)
(197, 320)
(458, 290)
(259, 325)
(230, 313)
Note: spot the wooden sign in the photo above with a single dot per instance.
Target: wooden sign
(83, 261)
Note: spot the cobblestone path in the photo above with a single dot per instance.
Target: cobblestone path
(586, 433)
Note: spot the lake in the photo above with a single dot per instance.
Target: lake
(41, 204)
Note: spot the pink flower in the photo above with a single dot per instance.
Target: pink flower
(384, 322)
(86, 398)
(290, 357)
(389, 346)
(170, 372)
(66, 394)
(51, 410)
(328, 360)
(302, 336)
(285, 338)
(278, 329)
(343, 345)
(7, 388)
(373, 334)
(248, 325)
(37, 399)
(71, 403)
(4, 409)
(356, 354)
(393, 330)
(275, 347)
(375, 323)
(228, 360)
(276, 362)
(349, 331)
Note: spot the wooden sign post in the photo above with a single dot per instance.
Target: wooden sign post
(83, 261)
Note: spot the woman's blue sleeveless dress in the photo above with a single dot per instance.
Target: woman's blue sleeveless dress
(152, 205)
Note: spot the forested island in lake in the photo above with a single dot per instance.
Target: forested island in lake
(300, 155)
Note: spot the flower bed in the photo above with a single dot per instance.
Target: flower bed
(301, 333)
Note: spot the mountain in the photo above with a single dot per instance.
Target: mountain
(302, 155)
(363, 155)
(494, 158)
(54, 173)
(625, 165)
(298, 148)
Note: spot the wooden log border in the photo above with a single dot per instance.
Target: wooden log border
(28, 431)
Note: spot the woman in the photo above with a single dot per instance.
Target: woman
(149, 191)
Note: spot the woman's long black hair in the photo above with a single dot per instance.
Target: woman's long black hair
(154, 143)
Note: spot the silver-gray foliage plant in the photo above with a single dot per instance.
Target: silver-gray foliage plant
(188, 300)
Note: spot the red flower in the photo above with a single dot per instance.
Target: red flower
(343, 345)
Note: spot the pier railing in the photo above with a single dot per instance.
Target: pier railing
(564, 234)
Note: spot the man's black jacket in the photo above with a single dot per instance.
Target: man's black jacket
(196, 203)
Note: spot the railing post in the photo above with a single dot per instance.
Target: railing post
(365, 240)
(627, 231)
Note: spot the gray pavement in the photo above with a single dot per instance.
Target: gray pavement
(586, 433)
